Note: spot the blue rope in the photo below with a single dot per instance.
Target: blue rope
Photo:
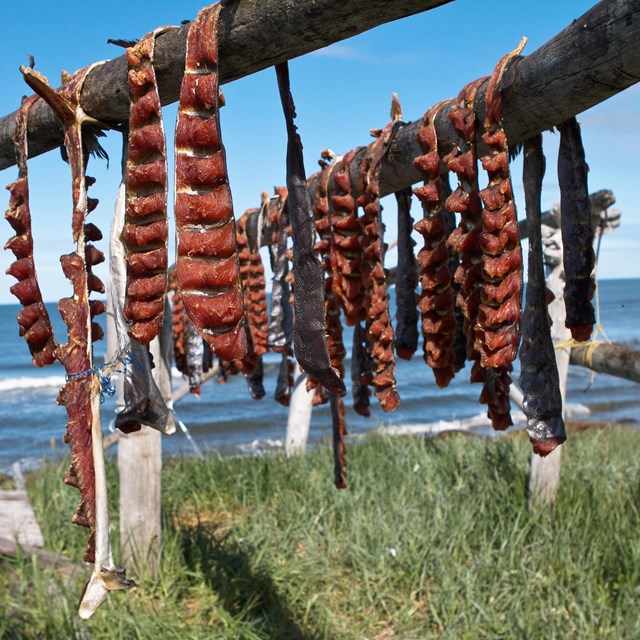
(105, 372)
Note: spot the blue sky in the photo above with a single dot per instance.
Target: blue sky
(340, 92)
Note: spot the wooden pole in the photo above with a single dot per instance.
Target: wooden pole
(253, 35)
(299, 415)
(595, 57)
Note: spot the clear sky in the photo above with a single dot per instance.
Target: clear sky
(340, 92)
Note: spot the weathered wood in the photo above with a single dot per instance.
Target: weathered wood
(17, 519)
(253, 35)
(61, 564)
(614, 359)
(299, 415)
(600, 201)
(594, 58)
(140, 469)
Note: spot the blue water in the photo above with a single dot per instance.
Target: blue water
(225, 417)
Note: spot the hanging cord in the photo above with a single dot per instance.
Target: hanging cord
(106, 371)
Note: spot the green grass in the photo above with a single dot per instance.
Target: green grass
(432, 539)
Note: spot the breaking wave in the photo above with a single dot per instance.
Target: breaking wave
(18, 384)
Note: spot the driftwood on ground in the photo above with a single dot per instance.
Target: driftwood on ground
(61, 564)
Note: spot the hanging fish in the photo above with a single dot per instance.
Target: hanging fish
(539, 373)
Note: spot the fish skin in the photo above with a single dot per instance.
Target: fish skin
(310, 341)
(539, 373)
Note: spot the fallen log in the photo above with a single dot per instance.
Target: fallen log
(253, 35)
(61, 564)
(614, 359)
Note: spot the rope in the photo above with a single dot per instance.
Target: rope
(105, 372)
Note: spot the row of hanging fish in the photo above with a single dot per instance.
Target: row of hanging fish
(463, 290)
(469, 275)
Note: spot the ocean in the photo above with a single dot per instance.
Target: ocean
(226, 419)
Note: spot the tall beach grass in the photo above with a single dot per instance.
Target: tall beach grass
(432, 539)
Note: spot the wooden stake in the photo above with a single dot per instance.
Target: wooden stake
(299, 415)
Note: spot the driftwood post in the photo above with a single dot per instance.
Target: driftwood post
(545, 472)
(299, 415)
(139, 467)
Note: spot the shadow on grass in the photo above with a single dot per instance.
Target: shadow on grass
(246, 593)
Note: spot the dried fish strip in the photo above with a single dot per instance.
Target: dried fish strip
(309, 338)
(206, 258)
(406, 334)
(539, 373)
(323, 247)
(146, 231)
(578, 257)
(436, 298)
(143, 402)
(500, 304)
(465, 200)
(361, 372)
(280, 328)
(253, 284)
(348, 244)
(33, 319)
(81, 393)
(379, 329)
(339, 428)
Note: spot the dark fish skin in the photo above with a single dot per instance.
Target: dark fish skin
(339, 450)
(539, 373)
(309, 337)
(577, 231)
(195, 358)
(285, 381)
(255, 381)
(406, 333)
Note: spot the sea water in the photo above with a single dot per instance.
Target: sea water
(226, 418)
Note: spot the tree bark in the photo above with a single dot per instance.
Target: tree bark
(613, 359)
(253, 35)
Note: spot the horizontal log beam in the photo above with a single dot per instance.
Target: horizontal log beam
(594, 58)
(253, 35)
(613, 359)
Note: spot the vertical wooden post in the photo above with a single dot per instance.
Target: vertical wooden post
(544, 477)
(139, 467)
(299, 415)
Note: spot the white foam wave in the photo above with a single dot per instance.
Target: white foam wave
(479, 423)
(575, 411)
(260, 446)
(18, 384)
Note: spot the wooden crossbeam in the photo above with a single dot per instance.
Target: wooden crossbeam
(254, 35)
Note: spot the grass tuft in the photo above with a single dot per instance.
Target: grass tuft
(432, 539)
